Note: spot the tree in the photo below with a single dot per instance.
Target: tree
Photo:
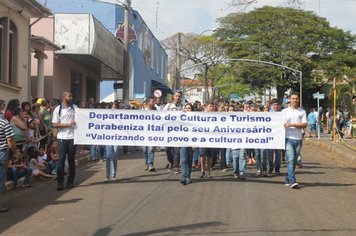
(246, 3)
(287, 36)
(199, 50)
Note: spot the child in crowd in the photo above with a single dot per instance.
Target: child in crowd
(38, 167)
(52, 157)
(18, 169)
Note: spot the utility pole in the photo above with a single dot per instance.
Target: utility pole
(178, 65)
(126, 80)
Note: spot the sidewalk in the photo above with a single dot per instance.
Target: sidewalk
(344, 147)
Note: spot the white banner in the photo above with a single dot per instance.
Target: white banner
(174, 128)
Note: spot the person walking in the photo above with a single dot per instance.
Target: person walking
(148, 151)
(7, 142)
(295, 122)
(63, 119)
(173, 152)
(186, 156)
(111, 155)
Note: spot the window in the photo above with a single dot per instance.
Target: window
(158, 63)
(12, 53)
(1, 46)
(153, 50)
(8, 50)
(199, 90)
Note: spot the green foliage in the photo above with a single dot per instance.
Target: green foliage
(291, 37)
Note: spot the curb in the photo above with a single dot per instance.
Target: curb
(336, 148)
(80, 159)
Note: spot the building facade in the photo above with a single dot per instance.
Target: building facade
(149, 61)
(16, 45)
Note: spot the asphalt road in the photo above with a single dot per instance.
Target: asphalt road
(155, 203)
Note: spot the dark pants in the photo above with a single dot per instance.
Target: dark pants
(222, 154)
(66, 149)
(173, 156)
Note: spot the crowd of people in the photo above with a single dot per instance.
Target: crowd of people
(37, 138)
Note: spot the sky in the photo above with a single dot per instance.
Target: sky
(168, 17)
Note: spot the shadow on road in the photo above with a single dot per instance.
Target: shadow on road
(176, 229)
(23, 203)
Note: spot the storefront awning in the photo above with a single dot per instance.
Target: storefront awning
(87, 42)
(161, 86)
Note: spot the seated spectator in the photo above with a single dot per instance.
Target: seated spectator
(39, 168)
(52, 157)
(43, 159)
(17, 169)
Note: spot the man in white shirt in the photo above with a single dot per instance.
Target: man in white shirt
(295, 122)
(63, 119)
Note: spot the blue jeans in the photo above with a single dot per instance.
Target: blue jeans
(239, 161)
(293, 148)
(111, 155)
(66, 149)
(149, 155)
(196, 155)
(18, 173)
(4, 155)
(274, 159)
(53, 165)
(93, 152)
(261, 159)
(228, 156)
(186, 156)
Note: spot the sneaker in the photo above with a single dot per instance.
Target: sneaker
(25, 185)
(146, 167)
(106, 179)
(270, 171)
(176, 171)
(264, 173)
(209, 176)
(224, 170)
(287, 183)
(114, 178)
(202, 174)
(151, 168)
(188, 181)
(69, 185)
(294, 185)
(258, 173)
(183, 182)
(236, 176)
(60, 187)
(3, 209)
(242, 177)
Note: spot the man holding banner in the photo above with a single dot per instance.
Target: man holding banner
(64, 119)
(173, 152)
(295, 122)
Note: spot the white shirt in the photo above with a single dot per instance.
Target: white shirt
(173, 107)
(294, 116)
(67, 115)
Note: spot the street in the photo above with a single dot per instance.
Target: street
(155, 203)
